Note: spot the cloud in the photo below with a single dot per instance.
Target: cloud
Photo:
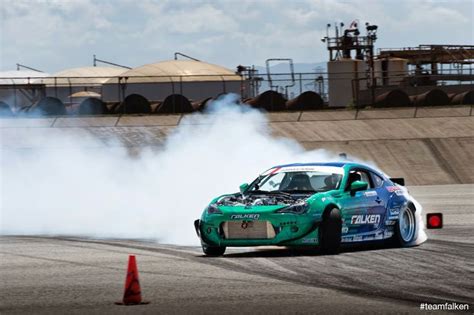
(53, 35)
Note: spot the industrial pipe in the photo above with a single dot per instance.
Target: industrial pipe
(463, 98)
(268, 100)
(435, 97)
(48, 106)
(202, 104)
(92, 106)
(393, 98)
(134, 104)
(175, 103)
(305, 101)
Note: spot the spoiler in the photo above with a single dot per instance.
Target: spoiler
(398, 180)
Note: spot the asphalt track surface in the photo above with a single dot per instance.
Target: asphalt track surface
(57, 275)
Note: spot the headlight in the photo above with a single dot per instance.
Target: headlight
(213, 209)
(298, 208)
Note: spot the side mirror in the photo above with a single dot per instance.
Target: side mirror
(243, 187)
(358, 186)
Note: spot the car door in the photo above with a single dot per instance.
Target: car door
(362, 212)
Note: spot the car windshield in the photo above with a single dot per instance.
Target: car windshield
(298, 179)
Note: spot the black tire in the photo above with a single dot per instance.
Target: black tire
(405, 235)
(213, 251)
(330, 232)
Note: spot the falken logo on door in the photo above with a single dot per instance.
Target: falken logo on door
(249, 216)
(366, 219)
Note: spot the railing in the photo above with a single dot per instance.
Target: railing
(23, 91)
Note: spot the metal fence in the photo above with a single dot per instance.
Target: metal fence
(23, 92)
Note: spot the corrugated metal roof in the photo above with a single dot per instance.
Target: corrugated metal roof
(178, 70)
(20, 76)
(83, 76)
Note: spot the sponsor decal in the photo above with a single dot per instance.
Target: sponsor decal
(347, 239)
(248, 216)
(368, 238)
(393, 188)
(390, 222)
(275, 170)
(366, 219)
(388, 234)
(379, 236)
(370, 193)
(395, 211)
(399, 192)
(310, 240)
(357, 238)
(345, 229)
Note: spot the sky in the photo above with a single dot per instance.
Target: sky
(52, 35)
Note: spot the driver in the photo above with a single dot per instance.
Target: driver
(300, 182)
(331, 182)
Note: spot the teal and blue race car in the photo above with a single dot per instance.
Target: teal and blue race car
(320, 205)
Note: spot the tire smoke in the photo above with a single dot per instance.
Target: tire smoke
(76, 185)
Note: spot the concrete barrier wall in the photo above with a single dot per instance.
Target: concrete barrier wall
(435, 148)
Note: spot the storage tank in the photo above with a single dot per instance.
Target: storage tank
(390, 71)
(193, 79)
(19, 88)
(65, 83)
(345, 78)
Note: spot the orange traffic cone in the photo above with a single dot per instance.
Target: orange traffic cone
(132, 294)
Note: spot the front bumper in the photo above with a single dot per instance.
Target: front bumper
(289, 230)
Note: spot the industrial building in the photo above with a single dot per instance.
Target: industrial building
(356, 77)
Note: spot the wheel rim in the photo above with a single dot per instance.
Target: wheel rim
(407, 225)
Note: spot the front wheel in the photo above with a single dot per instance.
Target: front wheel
(330, 232)
(405, 229)
(213, 250)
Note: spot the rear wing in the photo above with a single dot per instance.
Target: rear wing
(398, 180)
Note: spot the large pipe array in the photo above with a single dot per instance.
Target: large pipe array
(268, 100)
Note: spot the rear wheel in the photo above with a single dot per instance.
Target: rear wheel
(405, 229)
(330, 232)
(213, 250)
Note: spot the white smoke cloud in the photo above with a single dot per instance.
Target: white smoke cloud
(80, 186)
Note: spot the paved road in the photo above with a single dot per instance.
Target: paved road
(41, 274)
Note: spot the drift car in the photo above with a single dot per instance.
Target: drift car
(314, 204)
